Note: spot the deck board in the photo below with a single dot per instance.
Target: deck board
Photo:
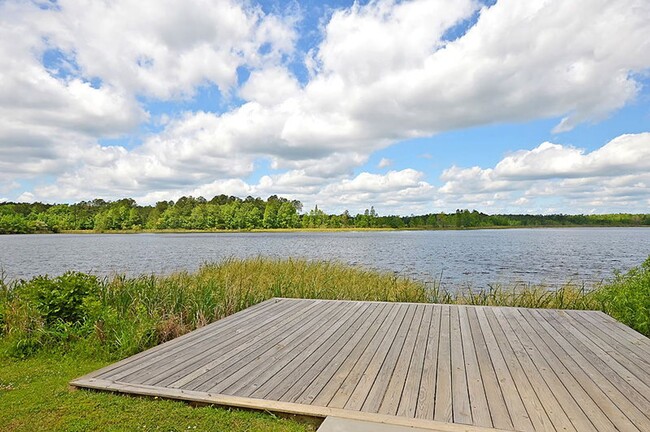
(438, 367)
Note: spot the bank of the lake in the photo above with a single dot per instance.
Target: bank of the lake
(55, 329)
(329, 230)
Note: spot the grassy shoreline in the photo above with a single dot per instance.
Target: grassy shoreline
(55, 329)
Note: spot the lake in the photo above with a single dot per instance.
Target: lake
(458, 258)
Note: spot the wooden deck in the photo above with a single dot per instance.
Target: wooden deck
(433, 366)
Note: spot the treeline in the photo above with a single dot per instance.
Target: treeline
(232, 213)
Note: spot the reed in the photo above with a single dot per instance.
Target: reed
(119, 316)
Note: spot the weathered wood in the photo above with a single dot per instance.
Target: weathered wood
(408, 403)
(329, 379)
(271, 406)
(607, 396)
(511, 394)
(364, 376)
(426, 394)
(205, 331)
(536, 412)
(443, 410)
(462, 413)
(397, 379)
(265, 350)
(339, 390)
(568, 390)
(612, 359)
(629, 339)
(546, 397)
(203, 362)
(383, 369)
(621, 352)
(331, 357)
(446, 367)
(276, 380)
(190, 354)
(475, 387)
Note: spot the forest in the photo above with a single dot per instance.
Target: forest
(225, 212)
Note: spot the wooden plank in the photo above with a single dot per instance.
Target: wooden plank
(639, 366)
(202, 356)
(365, 376)
(271, 406)
(207, 364)
(547, 396)
(382, 371)
(158, 350)
(511, 393)
(275, 381)
(270, 351)
(637, 340)
(393, 394)
(508, 368)
(328, 382)
(409, 400)
(462, 411)
(338, 390)
(610, 383)
(426, 394)
(476, 389)
(549, 360)
(322, 370)
(187, 355)
(614, 361)
(443, 410)
(498, 410)
(631, 339)
(534, 406)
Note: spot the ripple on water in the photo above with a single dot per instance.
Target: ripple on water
(455, 258)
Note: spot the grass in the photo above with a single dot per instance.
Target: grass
(55, 329)
(34, 396)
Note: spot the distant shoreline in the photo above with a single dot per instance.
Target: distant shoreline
(326, 230)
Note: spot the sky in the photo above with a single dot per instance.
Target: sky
(412, 107)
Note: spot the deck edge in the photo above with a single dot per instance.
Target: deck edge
(271, 406)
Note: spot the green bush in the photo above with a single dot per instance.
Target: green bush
(45, 312)
(61, 298)
(627, 298)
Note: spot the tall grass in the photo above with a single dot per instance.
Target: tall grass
(118, 316)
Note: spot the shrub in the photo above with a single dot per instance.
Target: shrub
(627, 298)
(61, 298)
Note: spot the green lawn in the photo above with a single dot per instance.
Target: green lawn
(34, 396)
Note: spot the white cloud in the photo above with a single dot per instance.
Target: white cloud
(270, 86)
(615, 177)
(101, 57)
(165, 49)
(626, 154)
(383, 72)
(384, 163)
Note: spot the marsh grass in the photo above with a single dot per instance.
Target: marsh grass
(119, 316)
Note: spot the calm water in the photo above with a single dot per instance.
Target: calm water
(478, 258)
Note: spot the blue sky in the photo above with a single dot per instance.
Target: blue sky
(407, 106)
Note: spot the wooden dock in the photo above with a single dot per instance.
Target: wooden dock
(438, 367)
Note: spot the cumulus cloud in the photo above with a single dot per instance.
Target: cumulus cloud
(382, 72)
(165, 49)
(616, 177)
(73, 72)
(384, 163)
